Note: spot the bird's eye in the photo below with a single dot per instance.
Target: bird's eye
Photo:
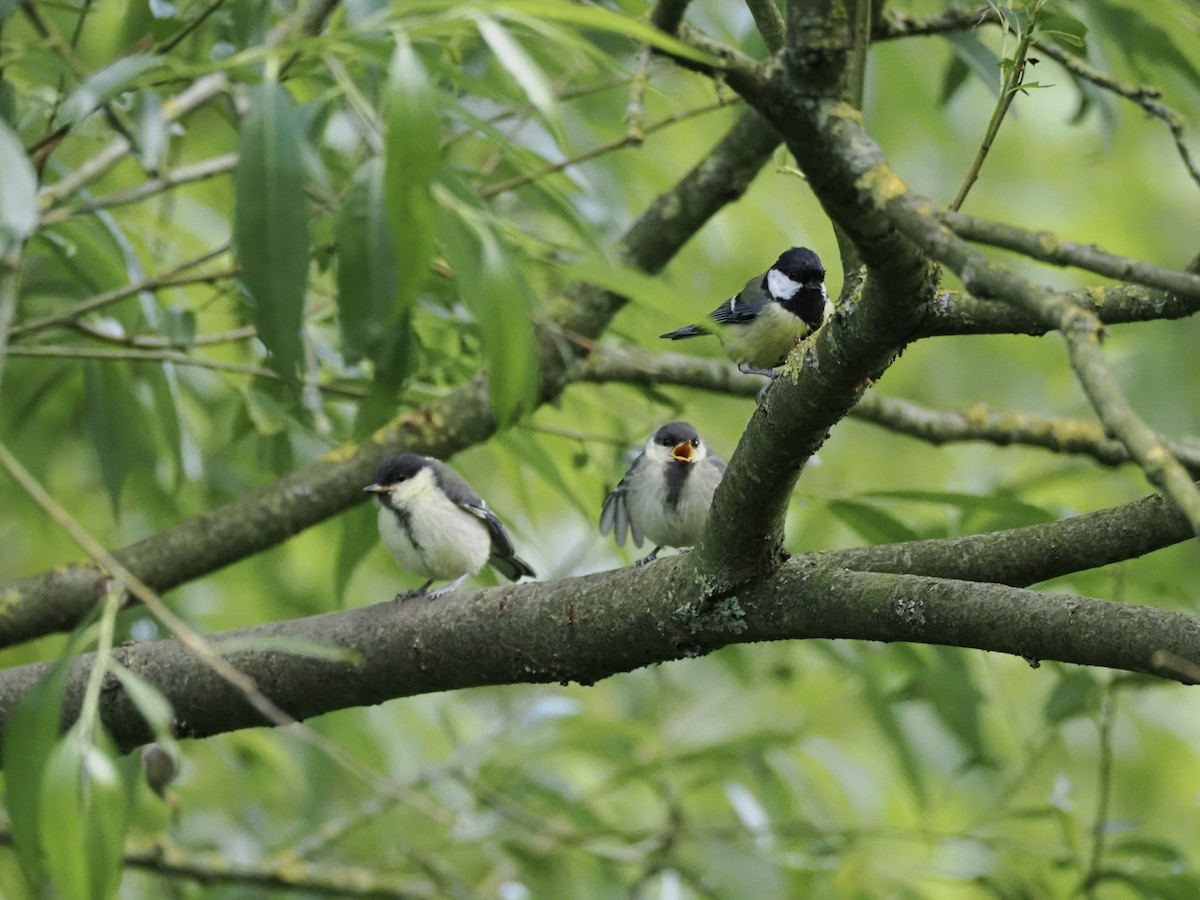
(695, 442)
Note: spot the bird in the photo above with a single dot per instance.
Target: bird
(666, 493)
(759, 326)
(435, 525)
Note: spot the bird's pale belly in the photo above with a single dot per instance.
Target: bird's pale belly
(450, 543)
(766, 341)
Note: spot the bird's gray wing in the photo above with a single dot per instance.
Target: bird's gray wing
(614, 514)
(744, 306)
(503, 556)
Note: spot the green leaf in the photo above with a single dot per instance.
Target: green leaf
(373, 322)
(271, 222)
(268, 416)
(872, 524)
(977, 57)
(151, 129)
(412, 159)
(1076, 694)
(1143, 38)
(953, 78)
(30, 735)
(635, 286)
(179, 326)
(359, 534)
(290, 646)
(106, 84)
(18, 191)
(154, 707)
(1063, 29)
(492, 288)
(1010, 511)
(524, 71)
(83, 839)
(116, 423)
(593, 16)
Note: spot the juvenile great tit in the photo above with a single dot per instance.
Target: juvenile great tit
(759, 326)
(666, 493)
(435, 525)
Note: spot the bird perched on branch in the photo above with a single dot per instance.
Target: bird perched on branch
(759, 326)
(666, 493)
(435, 525)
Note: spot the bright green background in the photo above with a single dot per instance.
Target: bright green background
(799, 769)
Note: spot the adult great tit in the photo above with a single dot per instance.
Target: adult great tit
(435, 525)
(666, 493)
(759, 326)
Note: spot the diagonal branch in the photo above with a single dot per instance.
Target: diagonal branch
(1047, 247)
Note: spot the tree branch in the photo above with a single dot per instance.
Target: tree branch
(58, 599)
(978, 423)
(1048, 247)
(589, 628)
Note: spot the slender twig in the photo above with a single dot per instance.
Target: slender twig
(528, 108)
(896, 24)
(285, 874)
(89, 707)
(1145, 96)
(1099, 829)
(635, 110)
(978, 423)
(196, 94)
(622, 142)
(1080, 326)
(116, 117)
(208, 168)
(10, 280)
(176, 277)
(1049, 248)
(194, 642)
(177, 357)
(139, 342)
(168, 45)
(1012, 84)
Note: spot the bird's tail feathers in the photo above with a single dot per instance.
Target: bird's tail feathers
(689, 331)
(512, 567)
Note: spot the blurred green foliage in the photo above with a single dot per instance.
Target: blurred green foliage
(805, 769)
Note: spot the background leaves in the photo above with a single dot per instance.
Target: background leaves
(404, 206)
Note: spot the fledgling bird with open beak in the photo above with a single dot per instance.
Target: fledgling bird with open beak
(666, 493)
(435, 525)
(759, 326)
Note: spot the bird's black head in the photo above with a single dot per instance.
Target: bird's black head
(674, 433)
(680, 441)
(801, 265)
(396, 469)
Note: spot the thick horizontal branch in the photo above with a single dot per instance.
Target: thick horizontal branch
(586, 629)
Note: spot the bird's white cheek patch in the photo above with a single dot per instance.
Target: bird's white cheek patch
(780, 286)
